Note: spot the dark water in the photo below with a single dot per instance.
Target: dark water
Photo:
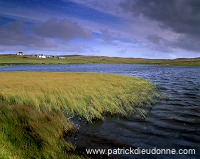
(171, 124)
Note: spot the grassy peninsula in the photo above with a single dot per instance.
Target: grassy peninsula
(35, 108)
(16, 60)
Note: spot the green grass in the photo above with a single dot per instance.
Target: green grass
(34, 108)
(16, 60)
(28, 133)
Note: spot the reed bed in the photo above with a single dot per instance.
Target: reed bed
(34, 108)
(27, 133)
(90, 95)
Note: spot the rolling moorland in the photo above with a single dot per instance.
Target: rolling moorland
(12, 59)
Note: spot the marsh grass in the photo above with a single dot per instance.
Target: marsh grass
(26, 132)
(34, 108)
(90, 95)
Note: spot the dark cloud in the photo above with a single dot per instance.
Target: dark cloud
(41, 36)
(182, 16)
(61, 29)
(14, 34)
(186, 42)
(156, 39)
(160, 44)
(179, 16)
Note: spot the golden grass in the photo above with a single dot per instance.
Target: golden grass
(89, 95)
(34, 106)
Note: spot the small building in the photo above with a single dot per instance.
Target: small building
(20, 53)
(41, 56)
(61, 57)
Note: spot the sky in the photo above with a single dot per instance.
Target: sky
(121, 28)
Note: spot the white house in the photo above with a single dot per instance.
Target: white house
(41, 56)
(20, 53)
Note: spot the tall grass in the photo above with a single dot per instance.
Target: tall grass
(27, 133)
(34, 106)
(90, 95)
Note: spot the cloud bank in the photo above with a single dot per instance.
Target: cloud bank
(181, 17)
(44, 35)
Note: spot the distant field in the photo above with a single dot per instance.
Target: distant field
(16, 60)
(35, 107)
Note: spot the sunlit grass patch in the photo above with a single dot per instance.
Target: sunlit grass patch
(34, 108)
(90, 95)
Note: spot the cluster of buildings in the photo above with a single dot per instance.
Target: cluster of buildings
(39, 55)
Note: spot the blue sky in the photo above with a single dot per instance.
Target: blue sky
(122, 28)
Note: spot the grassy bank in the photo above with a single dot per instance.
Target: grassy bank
(26, 132)
(35, 108)
(16, 60)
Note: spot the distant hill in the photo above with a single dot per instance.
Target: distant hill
(12, 59)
